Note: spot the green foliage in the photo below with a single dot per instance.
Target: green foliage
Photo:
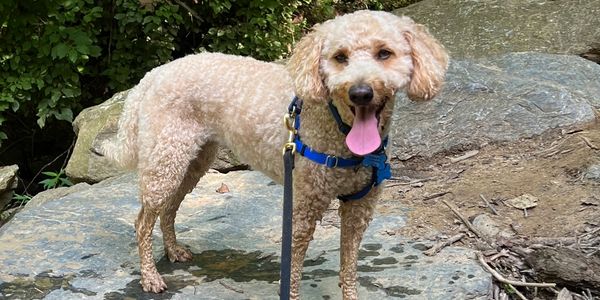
(60, 56)
(264, 29)
(55, 180)
(20, 200)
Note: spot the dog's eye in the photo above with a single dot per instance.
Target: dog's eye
(383, 54)
(341, 58)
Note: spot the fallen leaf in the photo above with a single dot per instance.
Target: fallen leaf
(564, 295)
(223, 189)
(524, 201)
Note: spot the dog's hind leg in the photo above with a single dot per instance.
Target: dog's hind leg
(355, 217)
(196, 170)
(162, 173)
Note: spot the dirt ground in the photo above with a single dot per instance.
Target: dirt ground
(551, 167)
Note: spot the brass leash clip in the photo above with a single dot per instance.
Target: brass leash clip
(289, 120)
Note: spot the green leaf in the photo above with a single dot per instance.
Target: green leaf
(65, 182)
(66, 114)
(73, 56)
(59, 51)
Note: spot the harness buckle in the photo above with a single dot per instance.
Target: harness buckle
(331, 161)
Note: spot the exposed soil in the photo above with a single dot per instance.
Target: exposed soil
(551, 167)
(554, 168)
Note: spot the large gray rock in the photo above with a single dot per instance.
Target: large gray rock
(8, 182)
(100, 120)
(83, 246)
(481, 28)
(501, 98)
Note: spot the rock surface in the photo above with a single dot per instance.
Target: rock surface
(8, 182)
(501, 98)
(482, 28)
(82, 246)
(96, 122)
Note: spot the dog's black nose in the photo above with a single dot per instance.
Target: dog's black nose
(361, 94)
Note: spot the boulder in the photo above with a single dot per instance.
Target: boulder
(100, 120)
(8, 182)
(82, 245)
(98, 123)
(499, 98)
(482, 28)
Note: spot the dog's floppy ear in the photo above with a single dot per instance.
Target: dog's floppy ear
(430, 61)
(304, 66)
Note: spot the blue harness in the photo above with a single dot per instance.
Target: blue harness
(377, 160)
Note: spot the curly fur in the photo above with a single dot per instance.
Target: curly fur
(178, 114)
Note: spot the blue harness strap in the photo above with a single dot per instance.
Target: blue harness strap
(377, 160)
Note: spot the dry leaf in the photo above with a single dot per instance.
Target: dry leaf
(524, 201)
(223, 189)
(564, 295)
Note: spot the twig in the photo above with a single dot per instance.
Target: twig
(410, 182)
(435, 195)
(488, 204)
(441, 245)
(501, 278)
(230, 287)
(502, 253)
(517, 292)
(467, 155)
(462, 218)
(589, 143)
(190, 10)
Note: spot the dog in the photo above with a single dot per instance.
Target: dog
(178, 114)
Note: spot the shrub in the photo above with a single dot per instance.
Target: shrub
(60, 56)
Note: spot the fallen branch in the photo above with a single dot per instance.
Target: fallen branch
(467, 155)
(410, 182)
(488, 204)
(462, 218)
(443, 244)
(589, 143)
(230, 287)
(435, 195)
(501, 278)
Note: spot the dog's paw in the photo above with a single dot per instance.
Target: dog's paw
(153, 283)
(178, 253)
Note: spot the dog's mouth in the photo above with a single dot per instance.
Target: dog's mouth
(364, 137)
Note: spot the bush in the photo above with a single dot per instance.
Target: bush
(59, 56)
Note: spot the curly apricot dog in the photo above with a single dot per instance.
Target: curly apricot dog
(176, 116)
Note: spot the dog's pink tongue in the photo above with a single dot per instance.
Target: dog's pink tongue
(364, 137)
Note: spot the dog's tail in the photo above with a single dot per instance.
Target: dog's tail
(122, 147)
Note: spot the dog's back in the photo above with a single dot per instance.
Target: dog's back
(221, 93)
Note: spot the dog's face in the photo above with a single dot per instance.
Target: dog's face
(360, 61)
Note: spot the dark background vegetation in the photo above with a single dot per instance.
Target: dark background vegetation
(59, 57)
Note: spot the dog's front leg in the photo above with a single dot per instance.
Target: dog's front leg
(311, 199)
(355, 217)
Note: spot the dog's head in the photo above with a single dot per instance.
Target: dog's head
(359, 61)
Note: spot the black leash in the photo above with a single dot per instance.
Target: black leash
(286, 229)
(289, 149)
